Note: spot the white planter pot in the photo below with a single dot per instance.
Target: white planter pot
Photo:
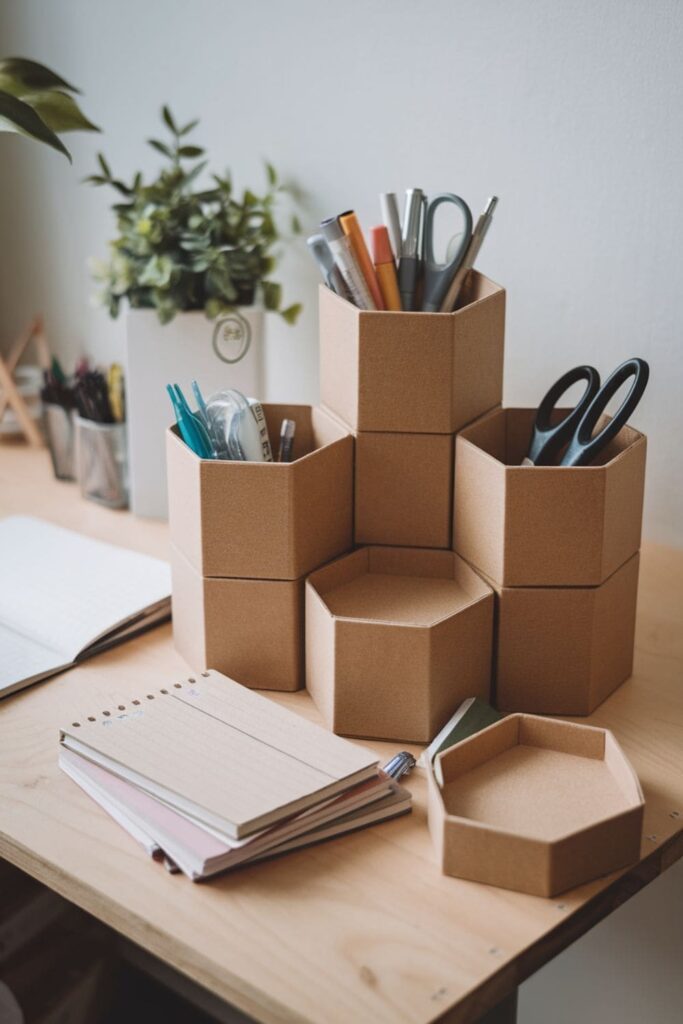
(222, 353)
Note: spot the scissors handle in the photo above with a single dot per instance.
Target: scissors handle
(548, 439)
(438, 276)
(584, 447)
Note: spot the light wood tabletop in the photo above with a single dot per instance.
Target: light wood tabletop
(363, 928)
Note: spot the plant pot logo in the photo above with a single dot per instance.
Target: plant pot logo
(231, 337)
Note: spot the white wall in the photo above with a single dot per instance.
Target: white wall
(570, 112)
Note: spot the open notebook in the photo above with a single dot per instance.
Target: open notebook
(225, 757)
(64, 597)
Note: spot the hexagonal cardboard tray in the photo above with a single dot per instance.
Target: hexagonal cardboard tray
(535, 804)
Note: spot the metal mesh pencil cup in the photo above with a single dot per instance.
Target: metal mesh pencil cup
(102, 462)
(60, 431)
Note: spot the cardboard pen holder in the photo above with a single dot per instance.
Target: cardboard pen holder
(535, 805)
(396, 639)
(249, 629)
(265, 520)
(544, 525)
(413, 372)
(403, 489)
(564, 650)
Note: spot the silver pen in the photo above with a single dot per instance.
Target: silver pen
(478, 236)
(322, 254)
(345, 260)
(392, 221)
(409, 264)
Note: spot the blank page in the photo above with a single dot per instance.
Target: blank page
(63, 590)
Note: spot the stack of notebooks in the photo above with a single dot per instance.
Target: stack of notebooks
(208, 775)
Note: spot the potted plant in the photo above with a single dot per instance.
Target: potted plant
(184, 254)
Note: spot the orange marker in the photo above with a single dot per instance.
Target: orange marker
(351, 228)
(383, 258)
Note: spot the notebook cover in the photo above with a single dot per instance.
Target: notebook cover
(214, 749)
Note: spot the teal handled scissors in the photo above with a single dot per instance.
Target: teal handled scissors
(438, 276)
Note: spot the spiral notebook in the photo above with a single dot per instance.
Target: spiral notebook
(222, 755)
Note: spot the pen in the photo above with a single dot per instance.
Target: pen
(392, 221)
(345, 259)
(322, 254)
(287, 432)
(409, 265)
(351, 229)
(478, 236)
(383, 260)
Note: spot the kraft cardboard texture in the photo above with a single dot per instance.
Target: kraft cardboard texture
(563, 650)
(535, 805)
(396, 639)
(265, 520)
(248, 629)
(544, 525)
(403, 489)
(413, 372)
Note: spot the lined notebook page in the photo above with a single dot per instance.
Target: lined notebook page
(230, 753)
(22, 658)
(63, 590)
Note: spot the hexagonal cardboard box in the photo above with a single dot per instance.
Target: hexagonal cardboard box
(396, 638)
(534, 804)
(534, 526)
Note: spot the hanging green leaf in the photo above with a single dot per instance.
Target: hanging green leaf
(59, 111)
(17, 116)
(272, 294)
(19, 76)
(291, 314)
(188, 127)
(190, 151)
(106, 170)
(272, 174)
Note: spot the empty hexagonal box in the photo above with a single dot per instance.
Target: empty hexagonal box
(396, 638)
(535, 804)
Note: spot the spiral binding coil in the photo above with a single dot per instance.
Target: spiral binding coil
(137, 702)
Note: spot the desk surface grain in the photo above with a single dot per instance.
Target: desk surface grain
(362, 928)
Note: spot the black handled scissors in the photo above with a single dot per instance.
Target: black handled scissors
(574, 433)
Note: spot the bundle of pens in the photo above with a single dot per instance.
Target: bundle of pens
(59, 402)
(402, 273)
(228, 426)
(101, 456)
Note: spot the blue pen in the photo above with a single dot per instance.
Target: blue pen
(191, 428)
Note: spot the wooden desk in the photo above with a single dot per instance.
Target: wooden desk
(363, 928)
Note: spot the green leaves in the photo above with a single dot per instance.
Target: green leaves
(181, 249)
(59, 112)
(19, 76)
(35, 102)
(17, 116)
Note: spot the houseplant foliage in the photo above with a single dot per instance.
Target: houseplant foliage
(37, 103)
(184, 249)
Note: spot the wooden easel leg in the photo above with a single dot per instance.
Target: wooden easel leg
(9, 393)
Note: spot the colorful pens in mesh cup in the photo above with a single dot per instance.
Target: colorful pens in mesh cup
(383, 259)
(346, 261)
(352, 229)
